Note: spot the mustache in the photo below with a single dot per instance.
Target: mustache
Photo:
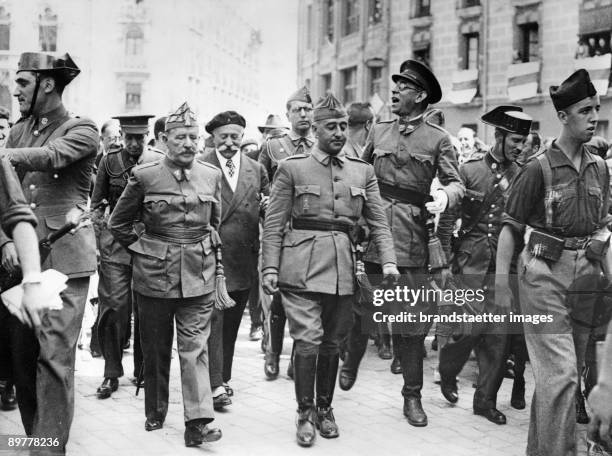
(232, 148)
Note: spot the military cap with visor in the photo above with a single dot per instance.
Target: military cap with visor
(61, 67)
(508, 118)
(182, 117)
(574, 89)
(329, 108)
(136, 124)
(421, 76)
(225, 118)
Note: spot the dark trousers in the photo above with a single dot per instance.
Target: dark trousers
(255, 311)
(491, 356)
(43, 367)
(192, 315)
(114, 315)
(222, 340)
(6, 368)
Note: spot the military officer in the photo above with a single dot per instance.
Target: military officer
(321, 196)
(407, 154)
(298, 140)
(178, 201)
(55, 154)
(559, 203)
(115, 270)
(487, 179)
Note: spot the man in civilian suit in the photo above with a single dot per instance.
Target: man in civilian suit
(244, 194)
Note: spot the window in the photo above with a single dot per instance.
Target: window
(309, 27)
(133, 91)
(134, 40)
(468, 3)
(375, 12)
(349, 81)
(528, 43)
(593, 44)
(470, 56)
(326, 84)
(422, 8)
(328, 20)
(351, 17)
(422, 55)
(375, 80)
(47, 31)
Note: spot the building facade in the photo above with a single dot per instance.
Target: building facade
(484, 52)
(138, 55)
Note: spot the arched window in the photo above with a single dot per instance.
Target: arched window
(134, 41)
(47, 30)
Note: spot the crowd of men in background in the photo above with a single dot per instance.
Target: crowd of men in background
(192, 230)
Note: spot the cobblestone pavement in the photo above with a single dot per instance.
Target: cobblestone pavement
(261, 419)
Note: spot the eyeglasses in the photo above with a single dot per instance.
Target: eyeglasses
(403, 86)
(306, 109)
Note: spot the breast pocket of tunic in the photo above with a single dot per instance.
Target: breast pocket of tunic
(425, 163)
(358, 198)
(594, 202)
(385, 162)
(156, 207)
(564, 201)
(307, 200)
(204, 206)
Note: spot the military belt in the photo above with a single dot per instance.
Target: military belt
(403, 194)
(321, 225)
(180, 236)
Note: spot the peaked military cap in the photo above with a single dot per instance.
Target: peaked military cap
(509, 118)
(302, 94)
(61, 67)
(420, 74)
(137, 124)
(182, 117)
(272, 123)
(328, 108)
(225, 118)
(359, 113)
(575, 88)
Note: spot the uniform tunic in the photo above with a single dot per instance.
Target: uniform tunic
(277, 148)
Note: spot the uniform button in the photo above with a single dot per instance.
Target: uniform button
(489, 235)
(471, 199)
(33, 205)
(490, 225)
(55, 176)
(490, 215)
(485, 288)
(492, 206)
(498, 176)
(32, 186)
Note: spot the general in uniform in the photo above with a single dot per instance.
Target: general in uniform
(53, 154)
(178, 201)
(320, 197)
(487, 179)
(407, 153)
(115, 270)
(559, 203)
(298, 140)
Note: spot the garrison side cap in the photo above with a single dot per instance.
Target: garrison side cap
(60, 66)
(137, 124)
(509, 118)
(329, 108)
(574, 89)
(182, 117)
(420, 74)
(302, 94)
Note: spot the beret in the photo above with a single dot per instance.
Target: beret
(225, 118)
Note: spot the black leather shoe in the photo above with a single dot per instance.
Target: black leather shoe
(493, 415)
(384, 352)
(220, 401)
(326, 423)
(413, 410)
(581, 414)
(108, 387)
(396, 366)
(228, 390)
(290, 369)
(153, 425)
(346, 379)
(449, 391)
(95, 353)
(196, 434)
(7, 397)
(271, 366)
(517, 400)
(306, 433)
(134, 381)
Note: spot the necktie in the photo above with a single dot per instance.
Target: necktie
(405, 127)
(333, 160)
(231, 169)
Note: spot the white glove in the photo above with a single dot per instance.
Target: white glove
(439, 203)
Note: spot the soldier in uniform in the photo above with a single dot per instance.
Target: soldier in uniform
(178, 201)
(360, 123)
(407, 154)
(487, 179)
(53, 154)
(321, 196)
(298, 140)
(559, 203)
(115, 270)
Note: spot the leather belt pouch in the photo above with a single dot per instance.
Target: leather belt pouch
(545, 246)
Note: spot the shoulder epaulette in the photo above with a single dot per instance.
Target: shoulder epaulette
(157, 151)
(437, 127)
(380, 121)
(356, 159)
(293, 157)
(278, 136)
(147, 165)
